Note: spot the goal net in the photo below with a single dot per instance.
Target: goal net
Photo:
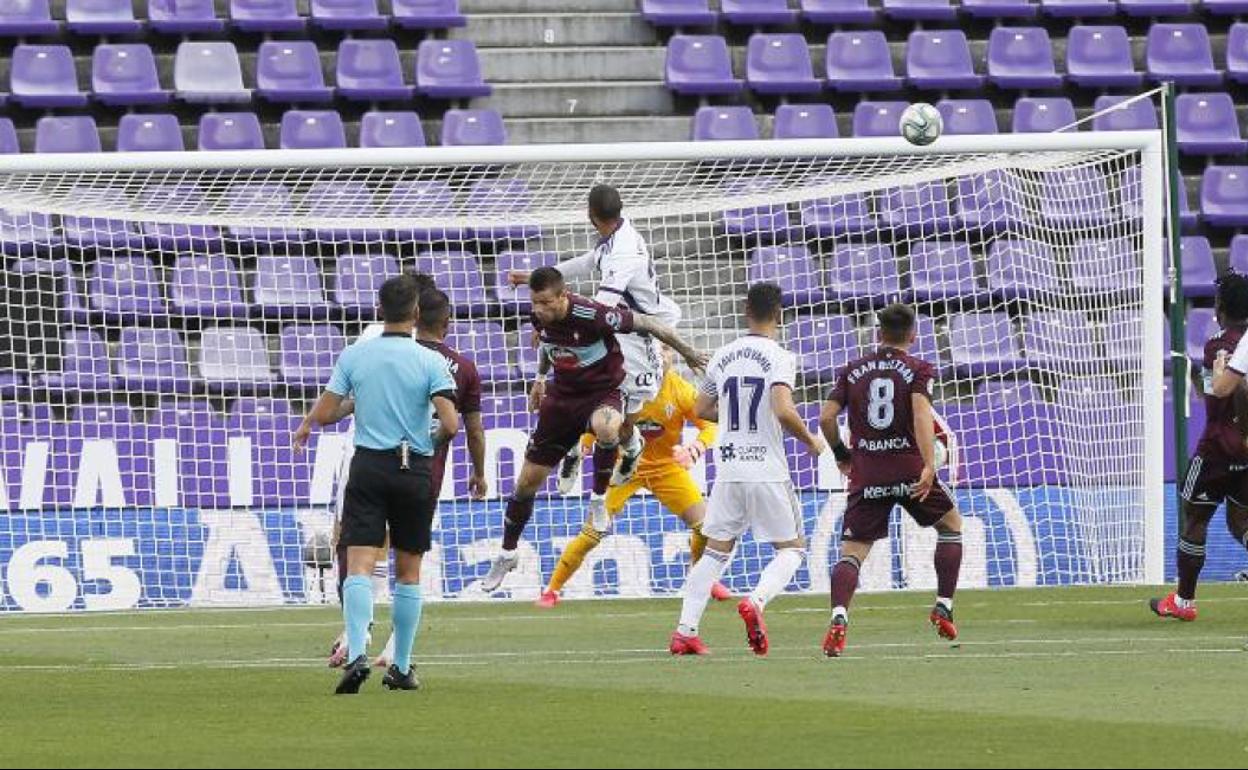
(166, 320)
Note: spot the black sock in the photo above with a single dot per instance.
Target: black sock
(517, 518)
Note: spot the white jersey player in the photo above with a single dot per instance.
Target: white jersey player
(748, 390)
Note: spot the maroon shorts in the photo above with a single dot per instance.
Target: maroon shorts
(561, 421)
(1209, 482)
(866, 515)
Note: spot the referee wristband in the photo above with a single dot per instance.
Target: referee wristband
(841, 453)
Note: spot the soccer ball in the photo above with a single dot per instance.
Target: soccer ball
(921, 124)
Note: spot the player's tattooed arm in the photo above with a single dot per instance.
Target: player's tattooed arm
(645, 324)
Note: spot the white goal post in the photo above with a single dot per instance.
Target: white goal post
(167, 317)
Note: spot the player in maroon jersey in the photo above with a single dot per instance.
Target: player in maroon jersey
(578, 340)
(887, 396)
(1218, 470)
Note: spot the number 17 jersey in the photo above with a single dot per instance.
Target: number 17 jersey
(751, 442)
(875, 392)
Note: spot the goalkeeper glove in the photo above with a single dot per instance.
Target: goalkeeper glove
(687, 455)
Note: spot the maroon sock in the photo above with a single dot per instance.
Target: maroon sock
(341, 553)
(518, 514)
(1189, 558)
(604, 466)
(948, 562)
(845, 581)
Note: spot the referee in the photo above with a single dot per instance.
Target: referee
(394, 382)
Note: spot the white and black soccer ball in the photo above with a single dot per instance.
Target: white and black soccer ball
(921, 124)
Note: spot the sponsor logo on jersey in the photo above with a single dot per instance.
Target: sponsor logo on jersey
(743, 454)
(650, 429)
(615, 320)
(895, 444)
(883, 492)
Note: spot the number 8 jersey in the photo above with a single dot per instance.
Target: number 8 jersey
(751, 442)
(875, 391)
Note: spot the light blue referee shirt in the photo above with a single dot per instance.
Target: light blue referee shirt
(393, 380)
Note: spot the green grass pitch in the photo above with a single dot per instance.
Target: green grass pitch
(1052, 677)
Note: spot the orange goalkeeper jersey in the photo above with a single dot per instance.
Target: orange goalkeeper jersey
(662, 421)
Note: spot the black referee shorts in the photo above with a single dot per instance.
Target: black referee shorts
(379, 493)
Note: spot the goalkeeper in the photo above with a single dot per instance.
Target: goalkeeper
(663, 469)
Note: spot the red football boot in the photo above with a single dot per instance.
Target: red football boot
(942, 618)
(755, 628)
(834, 641)
(1169, 608)
(686, 645)
(720, 592)
(548, 600)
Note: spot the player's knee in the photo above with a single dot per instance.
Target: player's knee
(1237, 525)
(950, 523)
(1196, 524)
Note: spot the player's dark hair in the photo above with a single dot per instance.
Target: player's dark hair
(896, 323)
(1232, 297)
(545, 278)
(764, 301)
(435, 310)
(424, 281)
(397, 297)
(605, 203)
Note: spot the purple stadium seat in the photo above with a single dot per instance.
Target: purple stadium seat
(308, 352)
(839, 11)
(125, 286)
(1083, 9)
(266, 15)
(172, 236)
(863, 275)
(391, 129)
(999, 9)
(878, 118)
(149, 133)
(1201, 324)
(1104, 265)
(179, 17)
(1061, 340)
(1076, 197)
(967, 116)
(234, 359)
(1021, 57)
(90, 231)
(766, 219)
(678, 13)
(44, 76)
(920, 10)
(153, 361)
(1200, 273)
(23, 19)
(462, 128)
(124, 75)
(312, 130)
(449, 69)
(700, 65)
(779, 64)
(28, 232)
(1181, 54)
(346, 201)
(75, 133)
(804, 121)
(347, 14)
(101, 17)
(427, 14)
(258, 409)
(1119, 115)
(1149, 8)
(515, 299)
(1225, 7)
(750, 13)
(207, 287)
(370, 70)
(8, 137)
(837, 215)
(1132, 194)
(506, 199)
(1224, 196)
(983, 343)
(290, 71)
(1035, 115)
(357, 279)
(792, 267)
(724, 123)
(1206, 125)
(923, 208)
(209, 72)
(992, 200)
(940, 59)
(1100, 57)
(246, 199)
(288, 287)
(943, 271)
(860, 61)
(1238, 258)
(1018, 267)
(485, 343)
(230, 131)
(1237, 50)
(823, 344)
(413, 200)
(458, 274)
(84, 364)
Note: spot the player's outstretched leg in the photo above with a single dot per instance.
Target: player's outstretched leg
(696, 592)
(948, 563)
(776, 575)
(1190, 559)
(570, 561)
(844, 584)
(570, 468)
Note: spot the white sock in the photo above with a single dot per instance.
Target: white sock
(388, 652)
(946, 603)
(509, 555)
(697, 589)
(381, 580)
(1184, 603)
(841, 612)
(776, 575)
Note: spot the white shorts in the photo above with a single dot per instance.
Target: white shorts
(769, 508)
(344, 470)
(643, 371)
